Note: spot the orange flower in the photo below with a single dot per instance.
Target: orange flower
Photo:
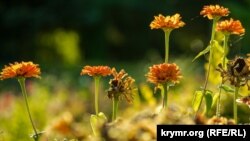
(166, 23)
(230, 27)
(96, 70)
(164, 73)
(23, 69)
(212, 11)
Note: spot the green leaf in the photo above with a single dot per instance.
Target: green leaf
(217, 47)
(197, 100)
(93, 123)
(209, 101)
(96, 121)
(101, 116)
(227, 88)
(215, 98)
(202, 53)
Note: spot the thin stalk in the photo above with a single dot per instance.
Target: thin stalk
(209, 62)
(167, 33)
(23, 88)
(225, 48)
(218, 106)
(235, 104)
(97, 82)
(164, 92)
(115, 108)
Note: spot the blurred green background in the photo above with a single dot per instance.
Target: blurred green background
(78, 31)
(64, 35)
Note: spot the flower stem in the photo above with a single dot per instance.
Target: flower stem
(164, 94)
(167, 33)
(115, 108)
(209, 63)
(23, 88)
(225, 47)
(235, 104)
(97, 82)
(218, 106)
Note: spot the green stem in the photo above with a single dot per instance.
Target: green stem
(167, 33)
(115, 108)
(209, 63)
(97, 82)
(235, 104)
(164, 94)
(215, 20)
(23, 88)
(218, 106)
(225, 48)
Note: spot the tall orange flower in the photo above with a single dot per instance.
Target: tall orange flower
(164, 73)
(166, 23)
(213, 11)
(231, 27)
(96, 70)
(23, 69)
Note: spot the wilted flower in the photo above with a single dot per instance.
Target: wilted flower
(121, 86)
(230, 27)
(164, 73)
(237, 72)
(96, 70)
(244, 100)
(220, 121)
(166, 23)
(23, 69)
(214, 11)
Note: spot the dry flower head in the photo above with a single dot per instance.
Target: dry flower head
(237, 72)
(121, 86)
